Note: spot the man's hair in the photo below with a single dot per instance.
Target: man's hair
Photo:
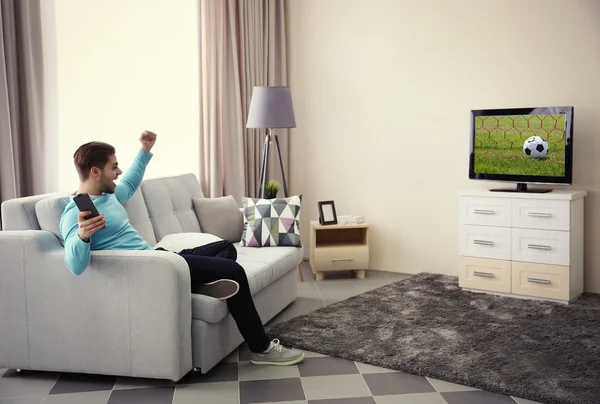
(92, 154)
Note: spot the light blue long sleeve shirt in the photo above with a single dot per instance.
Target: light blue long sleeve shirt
(118, 234)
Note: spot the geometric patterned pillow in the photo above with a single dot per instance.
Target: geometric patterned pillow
(272, 222)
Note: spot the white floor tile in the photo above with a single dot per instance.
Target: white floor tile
(213, 393)
(308, 354)
(422, 398)
(365, 369)
(94, 397)
(287, 402)
(446, 387)
(22, 400)
(524, 401)
(248, 371)
(344, 386)
(24, 385)
(302, 306)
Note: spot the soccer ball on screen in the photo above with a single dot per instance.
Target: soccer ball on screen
(535, 147)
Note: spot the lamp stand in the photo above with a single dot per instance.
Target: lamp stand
(265, 165)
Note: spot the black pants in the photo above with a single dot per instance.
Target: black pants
(215, 261)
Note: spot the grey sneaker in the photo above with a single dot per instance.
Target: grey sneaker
(278, 355)
(220, 289)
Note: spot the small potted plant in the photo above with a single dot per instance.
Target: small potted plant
(272, 188)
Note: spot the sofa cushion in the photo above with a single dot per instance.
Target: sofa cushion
(169, 203)
(272, 222)
(48, 212)
(220, 216)
(263, 266)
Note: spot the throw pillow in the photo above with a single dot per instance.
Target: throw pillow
(48, 212)
(220, 216)
(180, 241)
(272, 222)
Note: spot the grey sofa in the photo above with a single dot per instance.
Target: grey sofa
(131, 313)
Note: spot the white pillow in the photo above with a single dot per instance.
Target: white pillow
(48, 212)
(181, 241)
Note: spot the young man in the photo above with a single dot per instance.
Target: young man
(213, 271)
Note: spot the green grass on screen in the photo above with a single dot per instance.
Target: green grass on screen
(499, 144)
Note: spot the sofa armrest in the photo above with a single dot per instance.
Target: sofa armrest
(128, 314)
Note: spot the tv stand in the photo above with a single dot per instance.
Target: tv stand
(522, 244)
(521, 188)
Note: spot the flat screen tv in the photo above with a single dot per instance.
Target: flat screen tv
(523, 146)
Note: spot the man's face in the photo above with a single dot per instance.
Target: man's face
(109, 175)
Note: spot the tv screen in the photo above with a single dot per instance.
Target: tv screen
(522, 145)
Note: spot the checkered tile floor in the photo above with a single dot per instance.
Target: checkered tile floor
(317, 380)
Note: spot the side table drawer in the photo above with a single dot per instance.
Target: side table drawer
(540, 280)
(485, 274)
(341, 257)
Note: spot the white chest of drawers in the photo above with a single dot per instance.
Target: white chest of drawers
(522, 244)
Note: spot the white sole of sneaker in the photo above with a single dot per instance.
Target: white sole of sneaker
(221, 289)
(288, 363)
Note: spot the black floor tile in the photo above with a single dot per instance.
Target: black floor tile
(326, 367)
(476, 397)
(262, 391)
(223, 372)
(397, 383)
(358, 400)
(80, 382)
(155, 395)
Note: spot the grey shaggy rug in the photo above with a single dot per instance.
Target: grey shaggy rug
(426, 325)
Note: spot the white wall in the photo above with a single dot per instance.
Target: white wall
(124, 66)
(391, 80)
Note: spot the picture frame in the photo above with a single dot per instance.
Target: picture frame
(327, 213)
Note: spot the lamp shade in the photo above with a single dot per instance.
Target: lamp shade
(271, 107)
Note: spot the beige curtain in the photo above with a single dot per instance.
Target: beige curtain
(243, 44)
(21, 115)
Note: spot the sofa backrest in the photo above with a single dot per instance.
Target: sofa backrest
(48, 211)
(169, 201)
(161, 206)
(139, 218)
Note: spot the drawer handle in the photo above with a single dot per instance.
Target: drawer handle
(483, 274)
(484, 211)
(483, 242)
(539, 214)
(341, 259)
(539, 247)
(538, 280)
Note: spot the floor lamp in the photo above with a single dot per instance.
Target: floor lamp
(270, 108)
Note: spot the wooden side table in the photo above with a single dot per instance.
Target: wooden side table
(339, 247)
